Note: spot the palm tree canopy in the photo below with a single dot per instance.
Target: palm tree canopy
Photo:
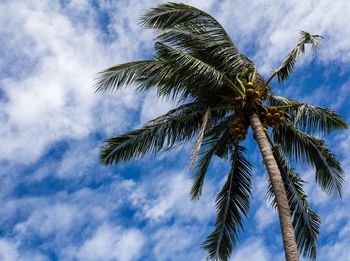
(196, 64)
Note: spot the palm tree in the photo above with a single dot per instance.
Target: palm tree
(220, 95)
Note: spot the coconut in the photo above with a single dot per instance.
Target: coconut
(236, 130)
(240, 137)
(256, 94)
(269, 116)
(276, 116)
(282, 120)
(250, 85)
(273, 110)
(250, 92)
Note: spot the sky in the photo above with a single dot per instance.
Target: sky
(58, 203)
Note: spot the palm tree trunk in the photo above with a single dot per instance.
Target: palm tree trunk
(290, 247)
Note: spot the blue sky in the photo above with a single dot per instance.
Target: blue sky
(58, 203)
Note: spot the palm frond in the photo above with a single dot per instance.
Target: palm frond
(232, 204)
(214, 141)
(306, 223)
(121, 75)
(200, 136)
(311, 119)
(162, 133)
(184, 62)
(167, 76)
(194, 29)
(305, 148)
(287, 66)
(222, 55)
(184, 17)
(190, 71)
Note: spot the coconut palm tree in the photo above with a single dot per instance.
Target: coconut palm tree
(221, 95)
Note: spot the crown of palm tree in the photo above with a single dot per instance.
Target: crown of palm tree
(196, 64)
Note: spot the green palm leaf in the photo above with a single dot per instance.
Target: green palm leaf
(121, 75)
(305, 148)
(145, 75)
(311, 119)
(167, 76)
(191, 28)
(287, 66)
(163, 133)
(232, 204)
(184, 17)
(212, 143)
(222, 55)
(306, 223)
(199, 140)
(190, 71)
(184, 62)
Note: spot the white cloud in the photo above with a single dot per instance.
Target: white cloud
(112, 243)
(342, 96)
(167, 195)
(153, 107)
(52, 98)
(178, 242)
(265, 216)
(272, 28)
(252, 249)
(50, 220)
(55, 99)
(78, 159)
(69, 220)
(9, 252)
(335, 251)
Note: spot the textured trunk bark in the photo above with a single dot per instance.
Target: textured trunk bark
(289, 243)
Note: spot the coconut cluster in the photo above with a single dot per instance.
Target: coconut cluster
(255, 93)
(238, 128)
(270, 117)
(275, 117)
(251, 92)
